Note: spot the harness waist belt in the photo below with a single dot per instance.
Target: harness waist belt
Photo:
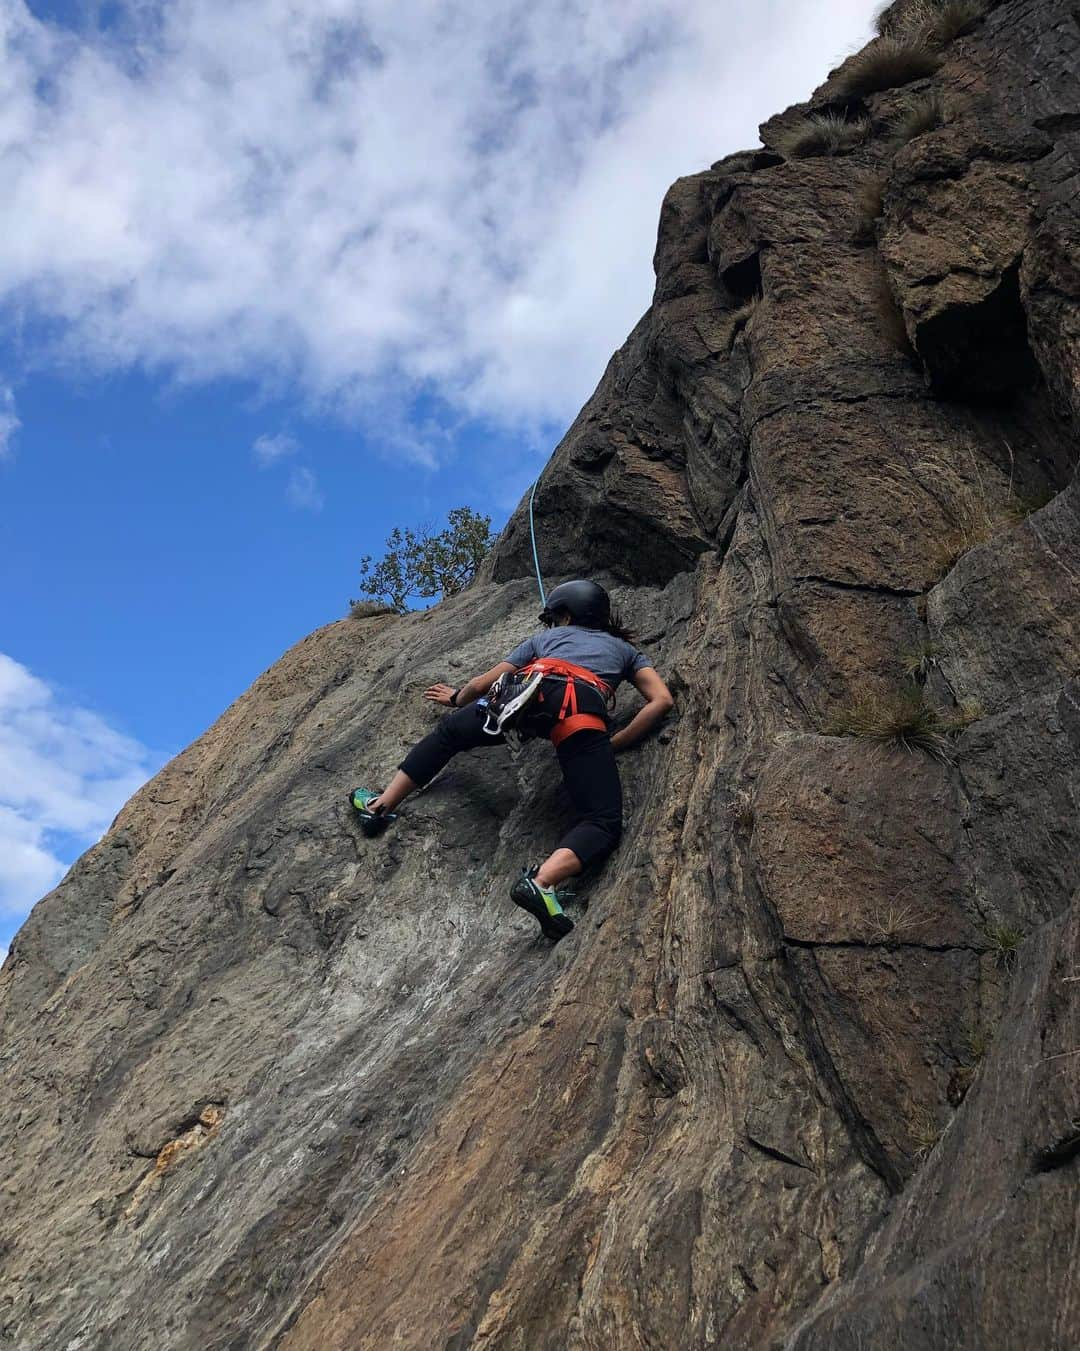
(555, 667)
(569, 720)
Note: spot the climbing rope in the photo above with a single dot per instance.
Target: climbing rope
(532, 532)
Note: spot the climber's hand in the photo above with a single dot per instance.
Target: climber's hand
(440, 694)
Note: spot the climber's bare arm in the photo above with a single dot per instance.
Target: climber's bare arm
(471, 690)
(658, 701)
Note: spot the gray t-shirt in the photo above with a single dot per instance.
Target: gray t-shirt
(611, 658)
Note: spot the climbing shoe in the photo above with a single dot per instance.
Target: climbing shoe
(371, 823)
(543, 904)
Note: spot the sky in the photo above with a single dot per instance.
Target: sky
(279, 275)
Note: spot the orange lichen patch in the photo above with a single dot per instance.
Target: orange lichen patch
(204, 1129)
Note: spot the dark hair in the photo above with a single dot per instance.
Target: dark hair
(618, 629)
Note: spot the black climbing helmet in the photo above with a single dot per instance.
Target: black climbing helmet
(586, 603)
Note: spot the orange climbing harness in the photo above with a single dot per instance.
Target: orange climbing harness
(569, 720)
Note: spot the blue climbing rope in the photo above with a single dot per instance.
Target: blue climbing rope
(532, 532)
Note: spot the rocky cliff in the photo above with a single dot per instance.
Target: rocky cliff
(807, 1074)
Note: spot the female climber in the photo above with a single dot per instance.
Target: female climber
(559, 683)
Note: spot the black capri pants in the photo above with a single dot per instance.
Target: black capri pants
(588, 767)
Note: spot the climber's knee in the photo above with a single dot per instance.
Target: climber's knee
(461, 730)
(592, 840)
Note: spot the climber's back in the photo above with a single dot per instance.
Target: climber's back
(611, 658)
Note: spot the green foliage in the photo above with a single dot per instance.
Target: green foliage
(1004, 942)
(822, 134)
(423, 565)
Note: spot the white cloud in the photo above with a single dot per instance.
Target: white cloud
(9, 421)
(64, 774)
(303, 490)
(339, 197)
(270, 449)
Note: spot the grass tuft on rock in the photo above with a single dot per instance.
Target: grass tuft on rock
(823, 134)
(924, 1130)
(966, 713)
(937, 21)
(976, 519)
(954, 20)
(919, 117)
(896, 925)
(887, 63)
(1004, 941)
(917, 662)
(368, 609)
(740, 318)
(893, 718)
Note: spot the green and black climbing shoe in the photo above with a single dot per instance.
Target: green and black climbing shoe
(543, 904)
(371, 823)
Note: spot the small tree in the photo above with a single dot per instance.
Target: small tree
(420, 564)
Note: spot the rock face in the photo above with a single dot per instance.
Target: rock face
(807, 1073)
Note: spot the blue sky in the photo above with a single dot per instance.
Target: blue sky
(276, 278)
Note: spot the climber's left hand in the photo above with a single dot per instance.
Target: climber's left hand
(440, 694)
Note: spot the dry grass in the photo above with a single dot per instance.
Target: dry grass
(978, 511)
(897, 923)
(893, 718)
(741, 317)
(954, 544)
(823, 134)
(953, 20)
(919, 117)
(964, 715)
(917, 662)
(937, 21)
(976, 519)
(924, 1130)
(887, 63)
(869, 201)
(367, 609)
(1026, 504)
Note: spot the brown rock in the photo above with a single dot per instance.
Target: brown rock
(724, 1112)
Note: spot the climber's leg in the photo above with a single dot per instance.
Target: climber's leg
(592, 780)
(461, 730)
(395, 793)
